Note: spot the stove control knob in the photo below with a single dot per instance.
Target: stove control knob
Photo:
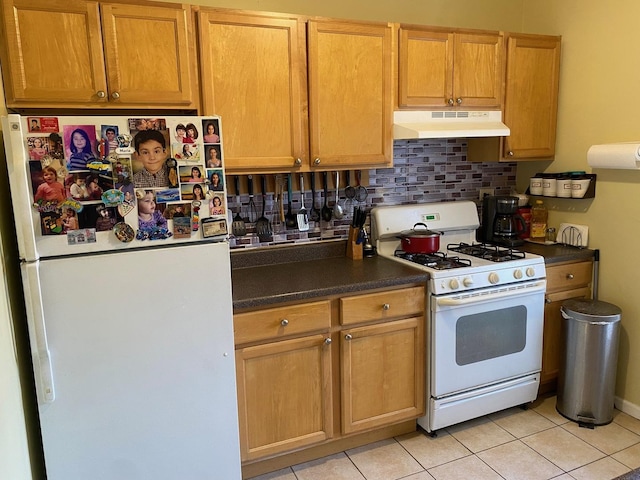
(517, 274)
(467, 281)
(454, 284)
(531, 271)
(494, 278)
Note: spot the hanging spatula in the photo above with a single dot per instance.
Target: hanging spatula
(303, 217)
(263, 225)
(238, 228)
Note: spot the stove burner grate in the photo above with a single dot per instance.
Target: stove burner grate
(493, 253)
(436, 260)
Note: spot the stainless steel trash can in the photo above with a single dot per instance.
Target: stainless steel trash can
(587, 378)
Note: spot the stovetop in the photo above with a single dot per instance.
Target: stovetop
(461, 264)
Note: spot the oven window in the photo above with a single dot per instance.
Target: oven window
(485, 335)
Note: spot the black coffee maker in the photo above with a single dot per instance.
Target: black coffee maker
(501, 224)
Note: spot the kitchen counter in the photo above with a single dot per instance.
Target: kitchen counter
(264, 277)
(557, 253)
(298, 273)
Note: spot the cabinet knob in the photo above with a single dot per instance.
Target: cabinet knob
(101, 94)
(298, 161)
(459, 101)
(450, 102)
(284, 322)
(316, 161)
(115, 95)
(327, 341)
(569, 276)
(386, 306)
(547, 300)
(510, 153)
(348, 336)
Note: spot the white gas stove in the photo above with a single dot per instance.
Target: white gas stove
(485, 312)
(461, 264)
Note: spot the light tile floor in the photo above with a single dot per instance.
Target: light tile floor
(533, 444)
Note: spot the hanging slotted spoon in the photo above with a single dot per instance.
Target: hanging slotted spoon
(338, 212)
(314, 216)
(303, 218)
(263, 225)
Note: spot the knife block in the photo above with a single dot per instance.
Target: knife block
(354, 250)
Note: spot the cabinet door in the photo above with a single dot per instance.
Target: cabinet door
(54, 52)
(478, 70)
(383, 369)
(253, 69)
(284, 395)
(531, 95)
(350, 93)
(147, 55)
(424, 69)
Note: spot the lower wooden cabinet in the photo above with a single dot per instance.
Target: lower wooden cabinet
(312, 373)
(564, 281)
(284, 395)
(382, 379)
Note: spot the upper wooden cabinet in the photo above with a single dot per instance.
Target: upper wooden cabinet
(350, 94)
(80, 54)
(531, 95)
(439, 68)
(254, 75)
(255, 69)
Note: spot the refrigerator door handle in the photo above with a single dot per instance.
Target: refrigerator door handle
(38, 333)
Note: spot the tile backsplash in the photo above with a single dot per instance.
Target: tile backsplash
(434, 170)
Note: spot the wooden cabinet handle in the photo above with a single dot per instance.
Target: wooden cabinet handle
(284, 322)
(348, 336)
(386, 306)
(316, 161)
(298, 162)
(115, 95)
(327, 341)
(459, 101)
(101, 94)
(569, 276)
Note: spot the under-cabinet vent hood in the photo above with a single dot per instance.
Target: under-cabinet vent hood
(448, 124)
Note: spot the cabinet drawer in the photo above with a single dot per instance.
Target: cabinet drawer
(383, 305)
(279, 322)
(569, 276)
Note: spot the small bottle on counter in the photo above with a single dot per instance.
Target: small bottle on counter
(539, 216)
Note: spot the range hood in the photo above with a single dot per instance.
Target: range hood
(448, 124)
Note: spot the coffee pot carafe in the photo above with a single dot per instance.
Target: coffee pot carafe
(501, 223)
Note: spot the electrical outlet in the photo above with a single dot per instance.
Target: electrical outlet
(486, 191)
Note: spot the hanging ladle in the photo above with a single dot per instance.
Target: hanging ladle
(337, 208)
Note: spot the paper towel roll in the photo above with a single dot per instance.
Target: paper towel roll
(615, 155)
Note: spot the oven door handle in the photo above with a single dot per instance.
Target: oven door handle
(538, 287)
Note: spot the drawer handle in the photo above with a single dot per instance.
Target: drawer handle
(327, 341)
(569, 276)
(547, 300)
(284, 322)
(386, 306)
(348, 336)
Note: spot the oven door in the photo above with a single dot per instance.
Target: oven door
(486, 336)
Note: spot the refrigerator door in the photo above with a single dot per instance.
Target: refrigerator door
(141, 351)
(77, 212)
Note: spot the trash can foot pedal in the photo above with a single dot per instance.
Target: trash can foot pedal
(588, 425)
(586, 422)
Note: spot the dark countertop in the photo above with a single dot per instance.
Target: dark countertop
(308, 272)
(557, 253)
(265, 277)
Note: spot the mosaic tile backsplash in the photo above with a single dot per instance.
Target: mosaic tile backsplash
(424, 171)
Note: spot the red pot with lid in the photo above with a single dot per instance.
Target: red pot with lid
(420, 240)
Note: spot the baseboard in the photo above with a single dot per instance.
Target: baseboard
(627, 407)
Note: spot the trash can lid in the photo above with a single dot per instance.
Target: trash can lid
(591, 310)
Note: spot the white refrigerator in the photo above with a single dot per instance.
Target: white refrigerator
(122, 234)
